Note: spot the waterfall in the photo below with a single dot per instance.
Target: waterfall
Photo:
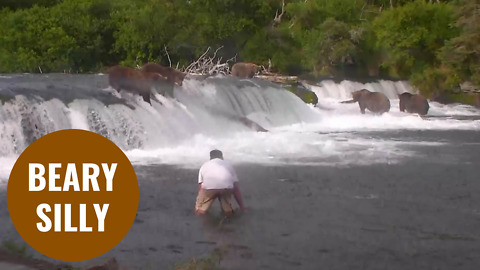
(344, 89)
(218, 107)
(217, 112)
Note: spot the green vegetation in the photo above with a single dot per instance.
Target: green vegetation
(460, 98)
(433, 43)
(210, 262)
(14, 248)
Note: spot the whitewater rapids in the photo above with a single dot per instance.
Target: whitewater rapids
(204, 115)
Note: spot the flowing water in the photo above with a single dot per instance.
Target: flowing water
(326, 186)
(205, 114)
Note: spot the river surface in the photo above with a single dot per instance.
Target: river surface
(326, 187)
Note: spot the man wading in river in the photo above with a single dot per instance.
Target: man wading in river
(217, 179)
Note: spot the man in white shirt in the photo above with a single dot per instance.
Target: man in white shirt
(217, 179)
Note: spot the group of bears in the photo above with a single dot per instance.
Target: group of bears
(379, 103)
(163, 79)
(141, 81)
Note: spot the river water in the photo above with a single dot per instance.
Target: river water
(326, 187)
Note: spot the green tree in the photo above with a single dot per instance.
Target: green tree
(143, 28)
(31, 40)
(329, 45)
(410, 36)
(328, 34)
(22, 4)
(461, 54)
(227, 23)
(89, 23)
(185, 28)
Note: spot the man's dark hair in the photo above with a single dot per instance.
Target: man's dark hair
(216, 154)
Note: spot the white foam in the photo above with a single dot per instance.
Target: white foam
(456, 109)
(293, 147)
(78, 120)
(344, 89)
(182, 131)
(6, 165)
(349, 118)
(337, 116)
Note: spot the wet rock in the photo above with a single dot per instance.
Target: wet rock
(110, 264)
(303, 93)
(17, 261)
(11, 266)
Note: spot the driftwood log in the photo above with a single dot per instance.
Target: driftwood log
(277, 78)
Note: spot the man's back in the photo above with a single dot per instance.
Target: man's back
(217, 174)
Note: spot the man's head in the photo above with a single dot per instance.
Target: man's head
(216, 154)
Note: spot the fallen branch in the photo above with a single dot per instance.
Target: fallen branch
(210, 65)
(278, 17)
(168, 56)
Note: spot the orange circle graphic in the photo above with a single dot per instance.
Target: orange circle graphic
(72, 195)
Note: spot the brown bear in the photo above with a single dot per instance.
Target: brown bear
(373, 101)
(173, 76)
(413, 103)
(244, 70)
(134, 81)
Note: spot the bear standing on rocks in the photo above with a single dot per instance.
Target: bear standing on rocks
(173, 76)
(413, 103)
(373, 101)
(133, 81)
(244, 70)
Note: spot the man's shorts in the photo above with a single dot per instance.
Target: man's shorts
(206, 197)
